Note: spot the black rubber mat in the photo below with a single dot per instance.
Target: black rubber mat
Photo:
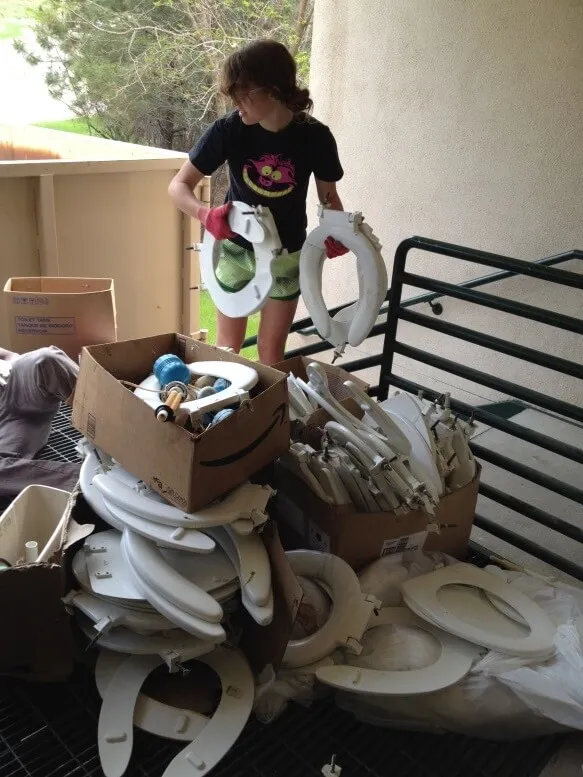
(51, 730)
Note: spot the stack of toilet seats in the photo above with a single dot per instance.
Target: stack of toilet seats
(383, 466)
(467, 611)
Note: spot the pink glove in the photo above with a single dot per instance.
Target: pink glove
(216, 220)
(334, 248)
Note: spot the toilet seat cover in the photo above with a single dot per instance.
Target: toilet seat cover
(352, 324)
(151, 715)
(421, 595)
(453, 664)
(149, 564)
(241, 377)
(166, 644)
(106, 615)
(256, 225)
(350, 613)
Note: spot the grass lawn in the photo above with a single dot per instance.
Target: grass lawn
(10, 29)
(14, 17)
(208, 321)
(77, 125)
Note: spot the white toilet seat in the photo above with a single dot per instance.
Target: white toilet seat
(241, 377)
(106, 616)
(349, 616)
(151, 715)
(350, 325)
(258, 227)
(105, 566)
(249, 557)
(147, 561)
(453, 664)
(535, 640)
(247, 501)
(228, 721)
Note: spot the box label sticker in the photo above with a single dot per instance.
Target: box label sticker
(318, 539)
(24, 300)
(44, 325)
(401, 544)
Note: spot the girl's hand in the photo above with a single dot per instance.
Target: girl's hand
(334, 248)
(216, 220)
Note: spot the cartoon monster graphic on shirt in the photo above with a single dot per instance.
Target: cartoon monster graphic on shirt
(270, 176)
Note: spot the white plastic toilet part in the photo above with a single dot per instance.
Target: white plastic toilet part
(453, 664)
(79, 567)
(446, 599)
(256, 225)
(228, 721)
(106, 568)
(244, 505)
(350, 614)
(241, 377)
(352, 324)
(249, 557)
(106, 616)
(198, 613)
(151, 715)
(148, 563)
(395, 437)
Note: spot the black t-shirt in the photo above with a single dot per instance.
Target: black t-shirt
(271, 168)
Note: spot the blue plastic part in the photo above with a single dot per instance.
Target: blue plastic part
(221, 384)
(170, 367)
(222, 415)
(207, 419)
(207, 391)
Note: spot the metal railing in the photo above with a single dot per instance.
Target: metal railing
(400, 310)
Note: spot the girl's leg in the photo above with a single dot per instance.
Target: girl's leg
(276, 319)
(230, 331)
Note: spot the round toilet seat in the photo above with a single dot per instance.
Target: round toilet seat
(352, 324)
(349, 616)
(258, 227)
(151, 715)
(149, 564)
(454, 663)
(535, 640)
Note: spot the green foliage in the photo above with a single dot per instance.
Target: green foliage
(144, 71)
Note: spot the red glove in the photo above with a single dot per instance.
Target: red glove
(334, 248)
(216, 220)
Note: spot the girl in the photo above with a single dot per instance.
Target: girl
(272, 146)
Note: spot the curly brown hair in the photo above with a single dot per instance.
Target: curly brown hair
(265, 64)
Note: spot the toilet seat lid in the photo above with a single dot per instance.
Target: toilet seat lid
(350, 613)
(454, 663)
(421, 594)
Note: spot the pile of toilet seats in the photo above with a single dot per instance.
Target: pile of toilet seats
(404, 454)
(159, 587)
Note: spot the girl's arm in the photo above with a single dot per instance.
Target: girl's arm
(181, 191)
(327, 193)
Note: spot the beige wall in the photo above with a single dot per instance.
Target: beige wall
(459, 120)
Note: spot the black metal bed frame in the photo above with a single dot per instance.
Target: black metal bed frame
(399, 310)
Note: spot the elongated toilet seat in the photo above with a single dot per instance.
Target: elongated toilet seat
(352, 324)
(151, 715)
(246, 502)
(115, 730)
(256, 225)
(241, 377)
(454, 663)
(106, 616)
(534, 640)
(250, 559)
(349, 616)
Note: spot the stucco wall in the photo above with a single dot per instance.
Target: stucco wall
(459, 120)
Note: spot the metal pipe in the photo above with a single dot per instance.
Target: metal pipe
(498, 384)
(491, 301)
(530, 547)
(494, 343)
(539, 516)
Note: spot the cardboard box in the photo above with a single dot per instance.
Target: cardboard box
(190, 471)
(360, 538)
(37, 636)
(67, 312)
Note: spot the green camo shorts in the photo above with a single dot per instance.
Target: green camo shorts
(236, 267)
